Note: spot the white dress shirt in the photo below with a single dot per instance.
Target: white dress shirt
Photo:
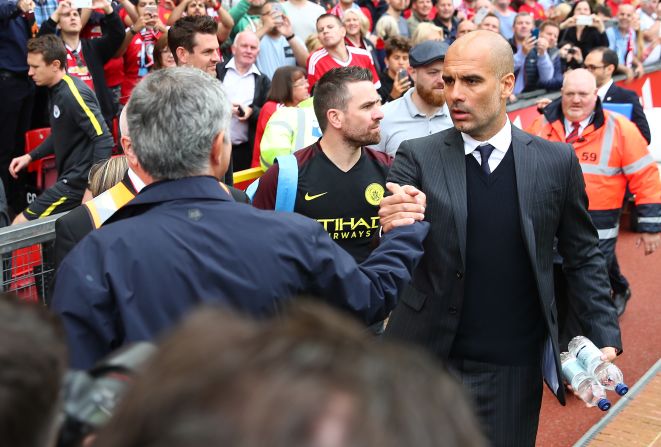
(501, 141)
(603, 89)
(240, 89)
(581, 125)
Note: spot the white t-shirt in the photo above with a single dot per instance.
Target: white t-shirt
(303, 18)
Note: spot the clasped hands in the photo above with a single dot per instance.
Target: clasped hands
(405, 206)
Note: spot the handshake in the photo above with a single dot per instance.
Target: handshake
(404, 206)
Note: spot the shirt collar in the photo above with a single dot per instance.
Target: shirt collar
(413, 110)
(77, 49)
(253, 68)
(581, 125)
(138, 184)
(603, 89)
(501, 141)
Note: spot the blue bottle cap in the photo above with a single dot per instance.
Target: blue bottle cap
(621, 389)
(604, 404)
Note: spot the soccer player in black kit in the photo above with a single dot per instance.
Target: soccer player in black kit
(340, 182)
(79, 135)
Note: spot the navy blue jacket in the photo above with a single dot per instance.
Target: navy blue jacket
(184, 242)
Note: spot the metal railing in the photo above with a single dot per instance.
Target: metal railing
(27, 257)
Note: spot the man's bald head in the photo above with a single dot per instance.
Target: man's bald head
(479, 78)
(501, 58)
(580, 76)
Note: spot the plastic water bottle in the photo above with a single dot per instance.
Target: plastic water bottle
(587, 388)
(589, 356)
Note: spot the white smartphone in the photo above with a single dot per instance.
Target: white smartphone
(584, 20)
(77, 4)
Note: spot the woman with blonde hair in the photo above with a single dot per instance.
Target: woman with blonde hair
(106, 174)
(385, 28)
(357, 27)
(427, 31)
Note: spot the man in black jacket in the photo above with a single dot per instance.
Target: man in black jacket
(247, 88)
(86, 57)
(602, 63)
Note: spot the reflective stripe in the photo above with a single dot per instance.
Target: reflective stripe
(81, 102)
(52, 207)
(600, 170)
(649, 220)
(638, 165)
(607, 142)
(608, 233)
(300, 134)
(106, 204)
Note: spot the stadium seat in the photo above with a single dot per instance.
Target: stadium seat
(34, 138)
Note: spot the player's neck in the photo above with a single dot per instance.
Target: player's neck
(71, 40)
(343, 154)
(57, 78)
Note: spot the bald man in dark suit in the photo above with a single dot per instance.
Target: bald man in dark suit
(482, 298)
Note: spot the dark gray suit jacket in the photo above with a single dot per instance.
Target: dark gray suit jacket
(552, 201)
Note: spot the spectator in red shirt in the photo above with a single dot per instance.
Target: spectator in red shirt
(335, 52)
(138, 46)
(533, 8)
(86, 57)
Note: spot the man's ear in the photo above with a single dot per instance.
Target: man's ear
(182, 55)
(127, 145)
(219, 156)
(334, 118)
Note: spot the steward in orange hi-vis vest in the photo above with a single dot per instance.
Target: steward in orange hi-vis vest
(612, 152)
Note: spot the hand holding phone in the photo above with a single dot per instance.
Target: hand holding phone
(78, 4)
(402, 74)
(584, 20)
(151, 9)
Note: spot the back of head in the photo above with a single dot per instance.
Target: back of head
(106, 174)
(32, 364)
(175, 116)
(331, 92)
(314, 378)
(182, 33)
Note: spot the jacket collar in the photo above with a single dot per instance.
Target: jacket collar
(553, 112)
(198, 187)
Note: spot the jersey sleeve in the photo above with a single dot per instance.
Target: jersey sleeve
(267, 189)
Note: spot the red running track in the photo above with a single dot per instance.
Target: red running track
(641, 337)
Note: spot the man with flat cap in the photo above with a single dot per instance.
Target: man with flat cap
(482, 297)
(421, 111)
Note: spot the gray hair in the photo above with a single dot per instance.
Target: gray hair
(174, 115)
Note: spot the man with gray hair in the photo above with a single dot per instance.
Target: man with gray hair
(182, 241)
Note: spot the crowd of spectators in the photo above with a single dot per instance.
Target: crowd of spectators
(74, 70)
(112, 45)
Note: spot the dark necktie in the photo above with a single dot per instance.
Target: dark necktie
(573, 135)
(76, 56)
(485, 153)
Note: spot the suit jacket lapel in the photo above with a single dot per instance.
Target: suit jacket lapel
(525, 165)
(454, 165)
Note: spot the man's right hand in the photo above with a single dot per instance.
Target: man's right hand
(19, 163)
(405, 206)
(399, 87)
